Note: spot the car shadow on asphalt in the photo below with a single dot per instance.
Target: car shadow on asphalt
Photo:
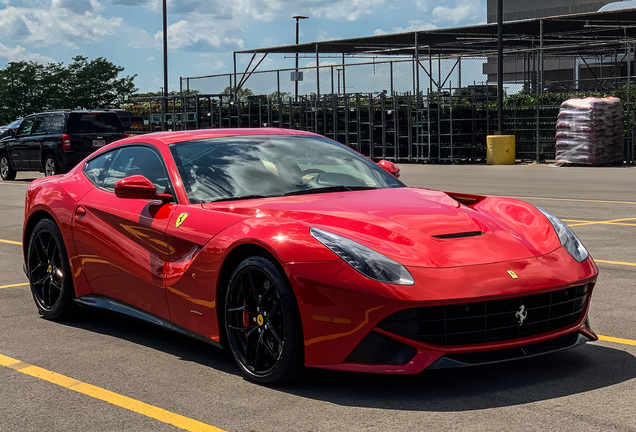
(579, 370)
(139, 332)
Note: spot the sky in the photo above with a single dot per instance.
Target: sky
(203, 34)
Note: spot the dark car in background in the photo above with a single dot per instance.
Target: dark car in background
(53, 142)
(6, 129)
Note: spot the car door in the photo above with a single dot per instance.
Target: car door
(18, 145)
(35, 140)
(121, 242)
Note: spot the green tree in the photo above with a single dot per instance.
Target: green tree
(241, 95)
(95, 83)
(28, 87)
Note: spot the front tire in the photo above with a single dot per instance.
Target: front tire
(6, 170)
(49, 272)
(262, 323)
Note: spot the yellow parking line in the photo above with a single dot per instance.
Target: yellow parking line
(11, 183)
(14, 285)
(607, 222)
(577, 200)
(617, 340)
(125, 402)
(615, 262)
(11, 242)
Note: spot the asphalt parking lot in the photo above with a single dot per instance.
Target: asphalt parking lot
(108, 373)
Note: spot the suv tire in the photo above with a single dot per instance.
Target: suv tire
(6, 170)
(50, 166)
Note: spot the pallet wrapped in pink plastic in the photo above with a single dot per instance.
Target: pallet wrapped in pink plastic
(590, 132)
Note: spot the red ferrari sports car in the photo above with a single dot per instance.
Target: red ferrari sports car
(294, 251)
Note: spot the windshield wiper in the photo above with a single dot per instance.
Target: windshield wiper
(329, 189)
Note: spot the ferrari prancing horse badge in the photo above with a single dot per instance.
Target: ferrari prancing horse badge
(182, 217)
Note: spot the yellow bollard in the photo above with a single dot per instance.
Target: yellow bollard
(500, 149)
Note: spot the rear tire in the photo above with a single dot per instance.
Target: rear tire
(50, 166)
(49, 272)
(262, 323)
(6, 170)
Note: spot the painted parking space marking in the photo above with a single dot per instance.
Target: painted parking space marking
(577, 200)
(14, 183)
(125, 402)
(615, 262)
(617, 340)
(14, 285)
(606, 222)
(11, 242)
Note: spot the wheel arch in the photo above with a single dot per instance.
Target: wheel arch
(30, 225)
(230, 263)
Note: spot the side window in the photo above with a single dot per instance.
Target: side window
(56, 125)
(97, 168)
(138, 160)
(26, 126)
(39, 127)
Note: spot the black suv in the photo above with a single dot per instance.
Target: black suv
(53, 142)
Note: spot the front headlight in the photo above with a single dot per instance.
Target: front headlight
(370, 263)
(569, 240)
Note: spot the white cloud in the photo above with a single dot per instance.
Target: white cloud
(195, 35)
(19, 53)
(416, 25)
(347, 10)
(464, 10)
(58, 24)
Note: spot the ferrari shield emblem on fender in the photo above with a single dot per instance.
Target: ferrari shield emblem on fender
(182, 217)
(510, 272)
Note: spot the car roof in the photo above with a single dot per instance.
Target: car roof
(172, 137)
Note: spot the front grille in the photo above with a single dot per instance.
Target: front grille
(490, 321)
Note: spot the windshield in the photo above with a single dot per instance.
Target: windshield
(229, 168)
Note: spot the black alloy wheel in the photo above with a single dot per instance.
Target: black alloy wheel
(49, 272)
(50, 166)
(262, 323)
(6, 170)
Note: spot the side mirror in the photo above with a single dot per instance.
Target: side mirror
(139, 187)
(390, 167)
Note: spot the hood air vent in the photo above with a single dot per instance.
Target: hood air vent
(459, 235)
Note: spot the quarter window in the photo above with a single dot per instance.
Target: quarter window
(137, 160)
(97, 168)
(56, 126)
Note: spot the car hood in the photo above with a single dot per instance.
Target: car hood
(417, 227)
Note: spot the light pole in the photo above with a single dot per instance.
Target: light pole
(165, 65)
(297, 18)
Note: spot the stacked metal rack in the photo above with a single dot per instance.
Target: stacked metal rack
(446, 126)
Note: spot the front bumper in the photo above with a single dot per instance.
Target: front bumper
(342, 311)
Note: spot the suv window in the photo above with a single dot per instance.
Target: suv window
(26, 126)
(56, 125)
(94, 123)
(39, 128)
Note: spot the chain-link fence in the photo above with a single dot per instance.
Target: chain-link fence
(434, 109)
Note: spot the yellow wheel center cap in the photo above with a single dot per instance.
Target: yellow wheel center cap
(50, 269)
(260, 320)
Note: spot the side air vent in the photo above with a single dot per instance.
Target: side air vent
(459, 235)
